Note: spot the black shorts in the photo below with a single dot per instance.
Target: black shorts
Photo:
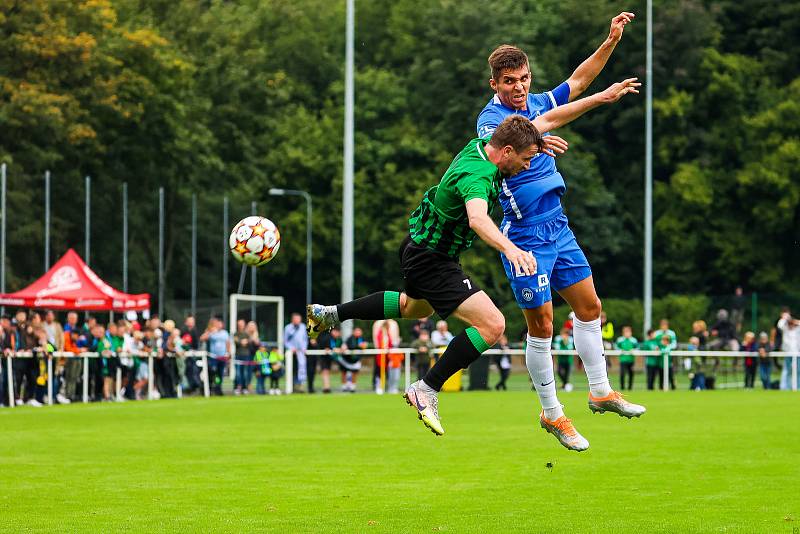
(435, 277)
(325, 362)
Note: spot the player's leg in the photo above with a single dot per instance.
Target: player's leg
(583, 299)
(539, 361)
(486, 326)
(374, 307)
(535, 299)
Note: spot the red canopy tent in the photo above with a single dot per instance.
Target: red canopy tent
(71, 285)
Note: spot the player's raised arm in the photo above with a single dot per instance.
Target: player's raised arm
(587, 71)
(567, 113)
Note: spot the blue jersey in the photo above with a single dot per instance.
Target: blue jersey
(538, 190)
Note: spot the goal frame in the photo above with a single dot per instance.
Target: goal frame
(234, 300)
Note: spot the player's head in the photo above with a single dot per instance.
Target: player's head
(627, 331)
(516, 140)
(511, 75)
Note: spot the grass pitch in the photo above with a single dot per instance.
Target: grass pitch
(716, 461)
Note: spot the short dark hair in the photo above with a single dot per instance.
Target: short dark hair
(518, 132)
(506, 57)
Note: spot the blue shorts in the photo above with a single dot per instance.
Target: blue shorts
(560, 262)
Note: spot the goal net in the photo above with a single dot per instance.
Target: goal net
(267, 312)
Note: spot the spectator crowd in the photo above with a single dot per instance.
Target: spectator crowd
(126, 350)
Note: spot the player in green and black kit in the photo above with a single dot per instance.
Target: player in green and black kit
(626, 343)
(441, 228)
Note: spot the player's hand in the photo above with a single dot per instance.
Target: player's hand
(620, 89)
(618, 25)
(554, 145)
(524, 263)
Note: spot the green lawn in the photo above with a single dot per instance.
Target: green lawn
(718, 461)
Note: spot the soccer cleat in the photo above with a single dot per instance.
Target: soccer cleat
(615, 402)
(564, 431)
(318, 320)
(426, 405)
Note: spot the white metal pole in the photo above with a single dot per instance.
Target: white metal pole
(49, 379)
(407, 361)
(118, 384)
(10, 382)
(161, 253)
(88, 216)
(648, 179)
(85, 379)
(194, 255)
(665, 378)
(347, 191)
(46, 220)
(125, 237)
(225, 254)
(308, 246)
(289, 380)
(206, 387)
(253, 208)
(151, 376)
(3, 233)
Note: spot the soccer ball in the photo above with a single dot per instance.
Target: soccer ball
(254, 241)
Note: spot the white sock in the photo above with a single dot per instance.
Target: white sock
(540, 366)
(589, 344)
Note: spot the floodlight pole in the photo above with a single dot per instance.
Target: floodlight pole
(648, 179)
(3, 232)
(194, 255)
(161, 253)
(253, 210)
(88, 217)
(347, 189)
(46, 220)
(125, 237)
(309, 210)
(225, 253)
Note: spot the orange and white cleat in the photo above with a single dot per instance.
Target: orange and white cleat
(564, 431)
(615, 402)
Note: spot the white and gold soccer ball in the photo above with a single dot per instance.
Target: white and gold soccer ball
(254, 241)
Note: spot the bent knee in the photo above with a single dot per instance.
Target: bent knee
(590, 311)
(493, 327)
(542, 328)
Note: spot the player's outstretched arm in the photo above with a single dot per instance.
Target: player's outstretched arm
(567, 113)
(587, 71)
(483, 225)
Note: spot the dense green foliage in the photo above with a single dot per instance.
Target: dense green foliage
(232, 98)
(363, 463)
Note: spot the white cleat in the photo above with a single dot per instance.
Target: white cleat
(615, 402)
(426, 405)
(564, 431)
(318, 320)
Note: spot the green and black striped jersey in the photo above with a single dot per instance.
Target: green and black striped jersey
(440, 222)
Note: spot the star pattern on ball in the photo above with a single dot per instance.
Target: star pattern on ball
(241, 248)
(259, 230)
(266, 253)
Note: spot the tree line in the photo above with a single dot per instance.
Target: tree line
(219, 98)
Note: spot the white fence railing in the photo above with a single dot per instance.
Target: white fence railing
(204, 356)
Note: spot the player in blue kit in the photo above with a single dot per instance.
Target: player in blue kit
(534, 221)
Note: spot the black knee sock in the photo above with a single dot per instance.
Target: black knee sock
(464, 349)
(380, 305)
